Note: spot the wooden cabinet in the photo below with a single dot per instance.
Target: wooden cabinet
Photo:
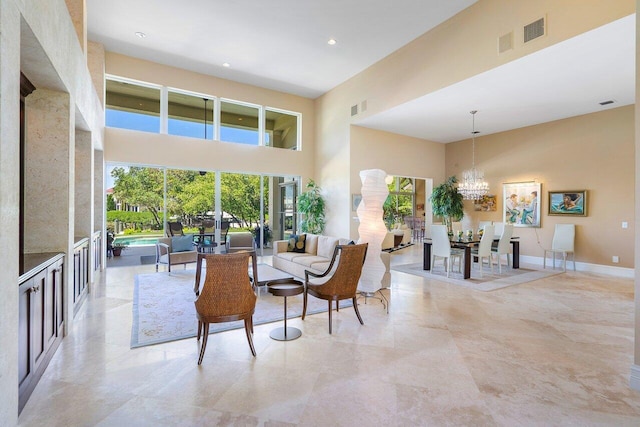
(41, 323)
(80, 273)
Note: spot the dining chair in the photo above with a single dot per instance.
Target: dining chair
(503, 247)
(226, 295)
(482, 224)
(340, 285)
(441, 248)
(483, 251)
(174, 229)
(563, 243)
(498, 228)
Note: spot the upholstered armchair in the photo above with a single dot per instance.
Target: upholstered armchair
(175, 250)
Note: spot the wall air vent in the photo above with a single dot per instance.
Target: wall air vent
(363, 106)
(607, 102)
(354, 110)
(505, 42)
(534, 30)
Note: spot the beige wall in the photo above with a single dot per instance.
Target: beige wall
(594, 152)
(462, 47)
(397, 155)
(192, 153)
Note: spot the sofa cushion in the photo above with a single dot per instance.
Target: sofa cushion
(297, 243)
(291, 256)
(309, 260)
(182, 243)
(312, 244)
(326, 245)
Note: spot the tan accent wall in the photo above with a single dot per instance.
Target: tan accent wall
(461, 47)
(594, 152)
(397, 155)
(192, 153)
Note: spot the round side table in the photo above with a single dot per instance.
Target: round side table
(285, 288)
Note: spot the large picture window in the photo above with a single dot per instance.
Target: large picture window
(190, 115)
(132, 106)
(151, 108)
(239, 123)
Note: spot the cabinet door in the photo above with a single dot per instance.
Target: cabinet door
(55, 279)
(24, 332)
(40, 312)
(77, 275)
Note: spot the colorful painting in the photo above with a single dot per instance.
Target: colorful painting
(486, 204)
(568, 203)
(521, 204)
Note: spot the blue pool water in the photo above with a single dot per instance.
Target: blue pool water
(137, 240)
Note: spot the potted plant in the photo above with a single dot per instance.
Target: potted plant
(311, 207)
(118, 247)
(447, 203)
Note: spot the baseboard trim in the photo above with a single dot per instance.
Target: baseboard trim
(628, 273)
(634, 379)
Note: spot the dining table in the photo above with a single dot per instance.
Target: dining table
(467, 243)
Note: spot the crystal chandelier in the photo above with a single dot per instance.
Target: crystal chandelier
(473, 185)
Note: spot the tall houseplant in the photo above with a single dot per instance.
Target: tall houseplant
(311, 207)
(447, 203)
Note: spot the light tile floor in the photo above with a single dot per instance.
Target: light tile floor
(557, 352)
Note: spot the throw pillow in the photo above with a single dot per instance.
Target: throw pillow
(182, 243)
(297, 243)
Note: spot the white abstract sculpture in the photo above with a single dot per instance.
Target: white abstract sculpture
(372, 229)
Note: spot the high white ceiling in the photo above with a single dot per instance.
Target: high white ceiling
(282, 45)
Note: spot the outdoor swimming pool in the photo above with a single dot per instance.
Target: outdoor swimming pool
(137, 240)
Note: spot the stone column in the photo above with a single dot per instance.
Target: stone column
(9, 207)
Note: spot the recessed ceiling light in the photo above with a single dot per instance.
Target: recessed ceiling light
(332, 42)
(226, 65)
(141, 34)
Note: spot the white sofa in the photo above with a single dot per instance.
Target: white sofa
(316, 257)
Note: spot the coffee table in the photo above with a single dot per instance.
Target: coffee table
(285, 288)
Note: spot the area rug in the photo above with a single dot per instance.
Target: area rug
(397, 248)
(488, 282)
(163, 308)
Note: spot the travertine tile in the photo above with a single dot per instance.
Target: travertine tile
(556, 351)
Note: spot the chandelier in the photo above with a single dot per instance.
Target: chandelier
(473, 185)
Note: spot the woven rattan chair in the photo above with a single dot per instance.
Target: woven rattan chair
(343, 283)
(226, 295)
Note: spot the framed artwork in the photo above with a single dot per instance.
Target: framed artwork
(486, 204)
(521, 203)
(572, 203)
(355, 201)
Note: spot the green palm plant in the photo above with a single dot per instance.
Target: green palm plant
(311, 206)
(446, 202)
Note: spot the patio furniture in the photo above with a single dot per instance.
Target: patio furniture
(175, 250)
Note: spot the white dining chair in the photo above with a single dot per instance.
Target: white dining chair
(483, 250)
(498, 228)
(503, 247)
(483, 224)
(441, 248)
(563, 243)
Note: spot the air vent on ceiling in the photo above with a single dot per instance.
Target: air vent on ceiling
(354, 110)
(610, 101)
(534, 30)
(505, 42)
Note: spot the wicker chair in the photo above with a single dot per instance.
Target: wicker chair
(343, 283)
(227, 294)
